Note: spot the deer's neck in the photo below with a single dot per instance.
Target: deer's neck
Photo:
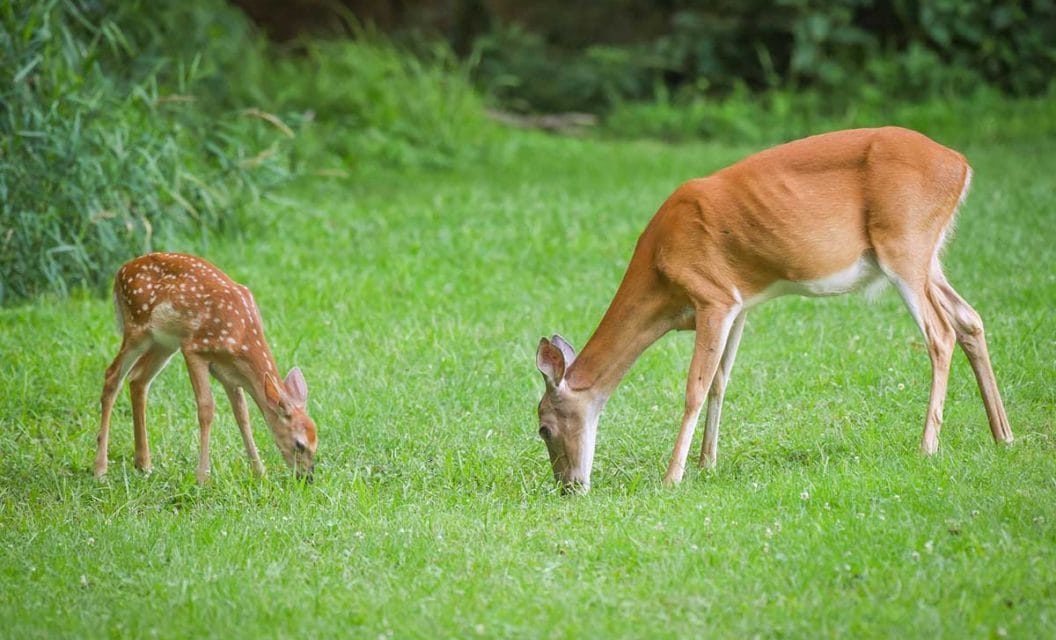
(252, 369)
(639, 314)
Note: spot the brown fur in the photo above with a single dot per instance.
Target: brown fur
(169, 301)
(798, 212)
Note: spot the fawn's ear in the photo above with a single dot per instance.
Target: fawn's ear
(551, 362)
(566, 349)
(272, 393)
(296, 387)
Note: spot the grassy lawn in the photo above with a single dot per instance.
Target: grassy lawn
(414, 304)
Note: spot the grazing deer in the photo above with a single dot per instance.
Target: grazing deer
(168, 302)
(825, 215)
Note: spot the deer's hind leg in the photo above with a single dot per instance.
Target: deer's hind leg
(915, 288)
(969, 329)
(143, 373)
(132, 346)
(905, 253)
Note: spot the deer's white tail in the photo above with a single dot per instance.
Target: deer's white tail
(119, 314)
(947, 233)
(965, 188)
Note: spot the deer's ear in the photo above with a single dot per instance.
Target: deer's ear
(296, 387)
(551, 362)
(271, 390)
(566, 349)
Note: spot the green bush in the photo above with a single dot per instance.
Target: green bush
(113, 139)
(520, 71)
(779, 115)
(904, 50)
(374, 102)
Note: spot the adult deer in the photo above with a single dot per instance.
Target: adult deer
(825, 215)
(168, 302)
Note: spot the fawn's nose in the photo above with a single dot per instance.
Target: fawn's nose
(306, 474)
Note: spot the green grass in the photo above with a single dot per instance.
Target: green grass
(414, 303)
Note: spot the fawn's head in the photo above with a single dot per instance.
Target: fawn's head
(294, 431)
(568, 418)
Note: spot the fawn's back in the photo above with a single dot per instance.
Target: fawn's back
(182, 300)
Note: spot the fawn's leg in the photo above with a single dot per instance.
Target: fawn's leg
(131, 348)
(969, 329)
(709, 448)
(143, 373)
(198, 368)
(241, 411)
(713, 327)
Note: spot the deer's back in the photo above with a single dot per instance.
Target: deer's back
(806, 209)
(184, 299)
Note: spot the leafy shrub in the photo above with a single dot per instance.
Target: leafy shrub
(779, 115)
(519, 70)
(112, 140)
(375, 102)
(905, 50)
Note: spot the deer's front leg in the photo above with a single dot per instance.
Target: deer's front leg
(713, 329)
(709, 448)
(238, 406)
(198, 368)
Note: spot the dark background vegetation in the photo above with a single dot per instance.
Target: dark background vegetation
(133, 125)
(552, 55)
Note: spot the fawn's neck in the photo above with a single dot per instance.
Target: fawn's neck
(253, 368)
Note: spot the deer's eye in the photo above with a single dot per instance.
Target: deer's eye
(545, 432)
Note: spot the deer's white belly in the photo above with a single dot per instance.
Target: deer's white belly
(864, 273)
(168, 326)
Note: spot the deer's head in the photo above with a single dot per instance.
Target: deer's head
(568, 418)
(294, 431)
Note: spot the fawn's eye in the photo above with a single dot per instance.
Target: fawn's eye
(300, 446)
(545, 432)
